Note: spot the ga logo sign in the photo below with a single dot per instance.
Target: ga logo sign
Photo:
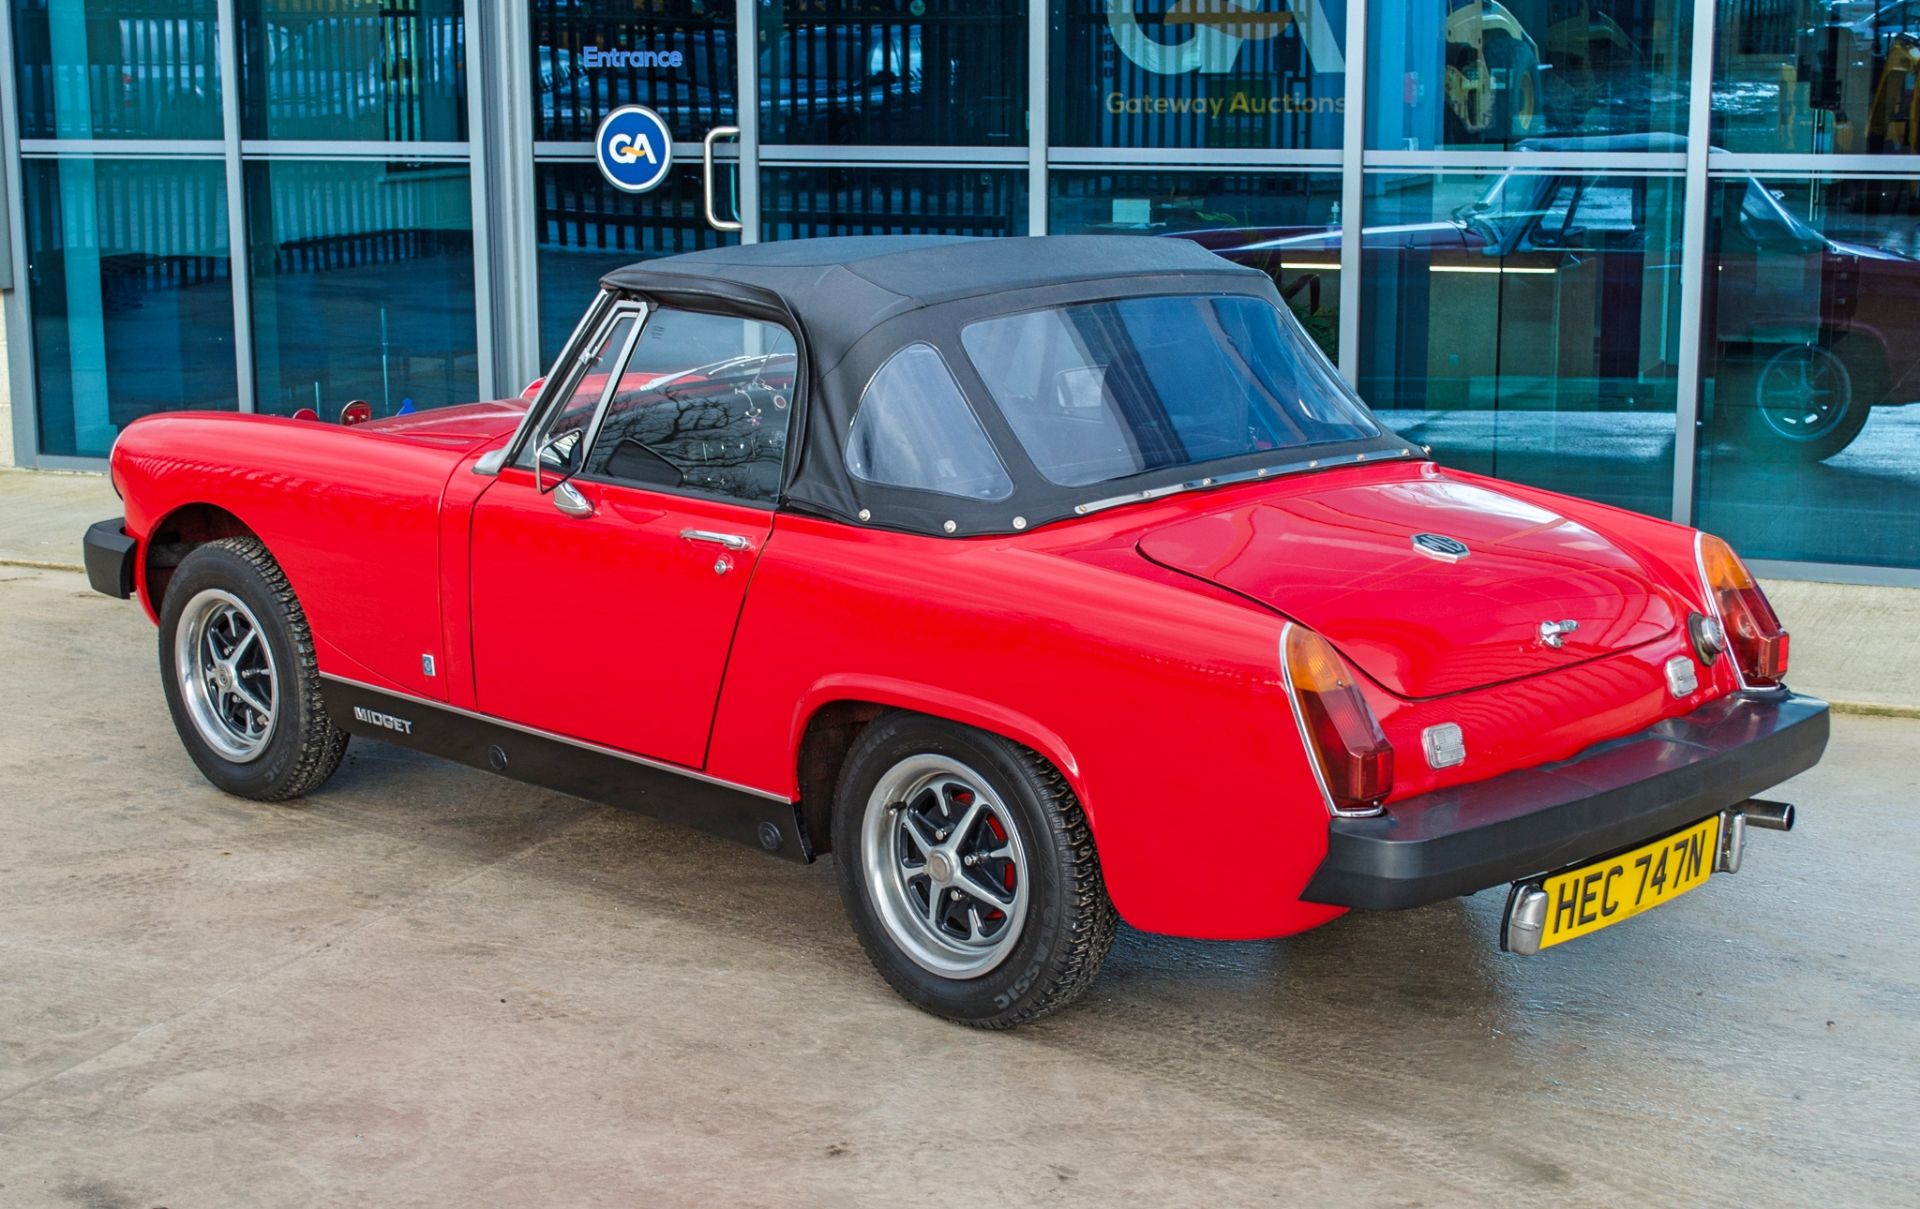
(634, 148)
(1220, 29)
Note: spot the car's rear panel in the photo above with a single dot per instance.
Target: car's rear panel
(1542, 718)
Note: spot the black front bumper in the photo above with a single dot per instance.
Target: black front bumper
(109, 558)
(1611, 796)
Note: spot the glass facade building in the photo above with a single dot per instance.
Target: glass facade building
(1659, 253)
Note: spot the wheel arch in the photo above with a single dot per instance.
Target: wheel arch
(828, 724)
(176, 535)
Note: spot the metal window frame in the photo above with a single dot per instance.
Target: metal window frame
(234, 152)
(1693, 261)
(15, 295)
(239, 223)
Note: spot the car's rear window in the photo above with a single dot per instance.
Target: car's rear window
(1104, 390)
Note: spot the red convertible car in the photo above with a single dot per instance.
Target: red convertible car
(1046, 583)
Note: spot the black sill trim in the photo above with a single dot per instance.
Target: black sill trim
(732, 812)
(1456, 841)
(108, 553)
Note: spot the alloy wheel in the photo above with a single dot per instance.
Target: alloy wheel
(946, 866)
(1803, 392)
(227, 675)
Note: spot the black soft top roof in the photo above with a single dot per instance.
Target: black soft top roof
(841, 288)
(853, 301)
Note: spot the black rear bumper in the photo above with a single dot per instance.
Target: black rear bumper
(1611, 796)
(109, 558)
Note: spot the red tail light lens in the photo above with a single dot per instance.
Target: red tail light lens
(1355, 759)
(1755, 636)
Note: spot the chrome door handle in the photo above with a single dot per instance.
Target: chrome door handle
(706, 162)
(732, 541)
(567, 498)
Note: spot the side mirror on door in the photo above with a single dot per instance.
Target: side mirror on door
(555, 460)
(560, 457)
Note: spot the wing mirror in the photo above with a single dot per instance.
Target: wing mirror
(553, 463)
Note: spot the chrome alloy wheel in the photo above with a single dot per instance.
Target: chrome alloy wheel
(945, 865)
(1803, 392)
(227, 676)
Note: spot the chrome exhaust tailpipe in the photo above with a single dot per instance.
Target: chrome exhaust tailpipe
(1754, 812)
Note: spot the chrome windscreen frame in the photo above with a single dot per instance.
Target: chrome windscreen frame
(1239, 476)
(559, 381)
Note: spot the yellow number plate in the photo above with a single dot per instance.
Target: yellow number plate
(1596, 896)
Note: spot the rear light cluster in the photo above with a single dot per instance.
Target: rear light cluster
(1354, 759)
(1753, 633)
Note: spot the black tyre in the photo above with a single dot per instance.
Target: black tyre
(1799, 402)
(1516, 80)
(1494, 92)
(969, 873)
(236, 662)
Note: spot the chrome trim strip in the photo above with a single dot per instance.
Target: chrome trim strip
(1546, 161)
(1275, 159)
(582, 744)
(641, 312)
(778, 154)
(1238, 476)
(1306, 742)
(108, 148)
(561, 368)
(334, 149)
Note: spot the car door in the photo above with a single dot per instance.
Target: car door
(607, 585)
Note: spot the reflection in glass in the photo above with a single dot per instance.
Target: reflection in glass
(915, 429)
(117, 69)
(1099, 391)
(1492, 73)
(951, 72)
(362, 285)
(354, 69)
(1194, 73)
(1835, 77)
(592, 56)
(1526, 325)
(701, 406)
(1808, 449)
(132, 302)
(587, 228)
(800, 203)
(1285, 224)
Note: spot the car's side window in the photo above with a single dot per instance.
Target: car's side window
(703, 405)
(915, 429)
(564, 434)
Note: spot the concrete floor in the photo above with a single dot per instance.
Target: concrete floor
(425, 986)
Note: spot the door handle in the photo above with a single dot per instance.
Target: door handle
(567, 498)
(706, 162)
(732, 541)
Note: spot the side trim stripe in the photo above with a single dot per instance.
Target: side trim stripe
(582, 744)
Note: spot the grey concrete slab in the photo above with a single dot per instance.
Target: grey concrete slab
(1852, 642)
(44, 512)
(424, 986)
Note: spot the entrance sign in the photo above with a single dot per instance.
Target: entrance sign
(634, 148)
